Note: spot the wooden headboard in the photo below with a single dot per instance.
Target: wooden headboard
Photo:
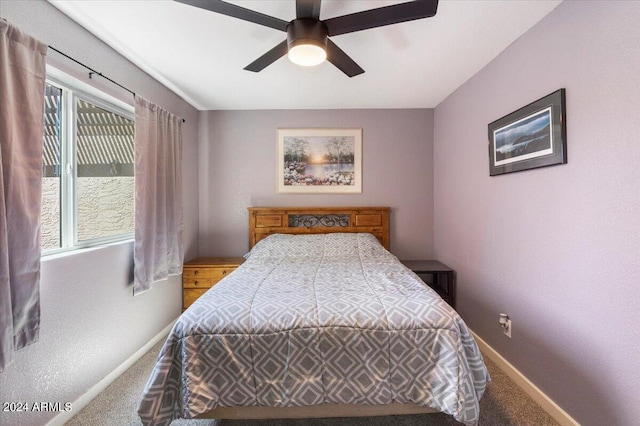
(264, 221)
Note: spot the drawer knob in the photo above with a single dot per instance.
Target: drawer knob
(224, 272)
(195, 272)
(195, 283)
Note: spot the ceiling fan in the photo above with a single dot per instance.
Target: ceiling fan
(308, 40)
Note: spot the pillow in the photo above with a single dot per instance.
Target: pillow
(271, 245)
(302, 245)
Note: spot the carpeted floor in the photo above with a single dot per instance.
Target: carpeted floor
(503, 404)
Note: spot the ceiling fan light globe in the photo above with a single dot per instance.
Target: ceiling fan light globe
(307, 55)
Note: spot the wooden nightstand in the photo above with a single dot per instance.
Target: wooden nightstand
(437, 276)
(202, 273)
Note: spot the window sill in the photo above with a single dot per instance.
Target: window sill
(80, 250)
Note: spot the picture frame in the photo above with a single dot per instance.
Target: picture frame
(319, 161)
(531, 137)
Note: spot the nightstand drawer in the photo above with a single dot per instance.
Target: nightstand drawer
(189, 295)
(202, 273)
(213, 275)
(199, 282)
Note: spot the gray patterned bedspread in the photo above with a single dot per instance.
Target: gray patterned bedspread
(314, 319)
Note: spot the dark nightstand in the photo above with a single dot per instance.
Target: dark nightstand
(437, 276)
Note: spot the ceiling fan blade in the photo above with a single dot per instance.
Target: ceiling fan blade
(308, 9)
(234, 11)
(381, 16)
(268, 58)
(341, 60)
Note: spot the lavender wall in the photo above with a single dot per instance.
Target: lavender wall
(555, 248)
(238, 169)
(91, 323)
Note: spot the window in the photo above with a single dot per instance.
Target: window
(88, 183)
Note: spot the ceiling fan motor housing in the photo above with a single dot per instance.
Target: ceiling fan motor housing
(306, 31)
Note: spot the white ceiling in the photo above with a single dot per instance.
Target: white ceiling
(200, 55)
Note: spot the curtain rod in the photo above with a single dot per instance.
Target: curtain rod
(96, 72)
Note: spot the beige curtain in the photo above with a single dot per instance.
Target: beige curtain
(22, 81)
(158, 250)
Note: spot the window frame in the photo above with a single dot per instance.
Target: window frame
(74, 89)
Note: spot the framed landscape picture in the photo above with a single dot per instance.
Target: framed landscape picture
(533, 136)
(319, 161)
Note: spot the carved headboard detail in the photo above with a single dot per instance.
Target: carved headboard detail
(264, 221)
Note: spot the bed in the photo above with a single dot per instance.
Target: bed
(321, 320)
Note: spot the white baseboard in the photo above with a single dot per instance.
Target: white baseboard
(87, 397)
(526, 385)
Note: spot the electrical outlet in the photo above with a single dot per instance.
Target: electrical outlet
(507, 328)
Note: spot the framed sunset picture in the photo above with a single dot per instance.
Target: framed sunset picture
(319, 161)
